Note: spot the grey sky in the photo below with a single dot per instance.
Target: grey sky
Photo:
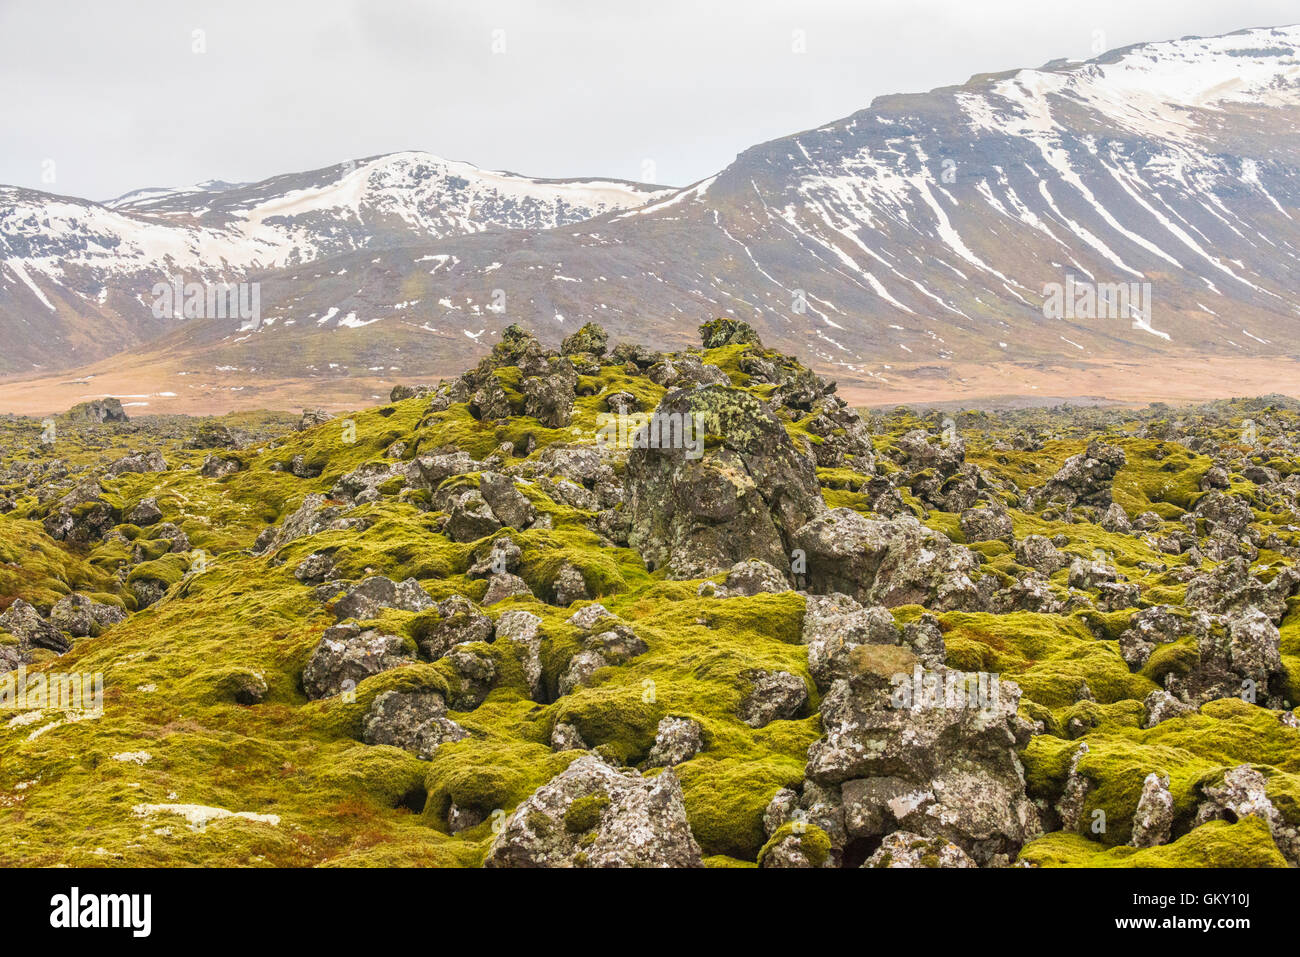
(112, 93)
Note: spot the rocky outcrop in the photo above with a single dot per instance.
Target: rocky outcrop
(471, 518)
(366, 600)
(720, 332)
(941, 764)
(894, 562)
(313, 417)
(772, 696)
(1084, 479)
(676, 740)
(605, 642)
(842, 637)
(1154, 818)
(1151, 627)
(82, 515)
(752, 577)
(523, 629)
(415, 721)
(81, 616)
(548, 397)
(593, 815)
(591, 339)
(1237, 657)
(987, 524)
(1243, 792)
(685, 371)
(509, 505)
(139, 462)
(1038, 553)
(459, 621)
(844, 438)
(97, 411)
(316, 514)
(25, 623)
(697, 510)
(346, 656)
(1230, 587)
(905, 849)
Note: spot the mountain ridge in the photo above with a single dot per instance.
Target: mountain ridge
(923, 230)
(99, 260)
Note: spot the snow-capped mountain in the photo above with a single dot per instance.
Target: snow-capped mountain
(64, 261)
(933, 226)
(927, 229)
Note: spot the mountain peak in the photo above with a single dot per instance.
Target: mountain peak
(922, 232)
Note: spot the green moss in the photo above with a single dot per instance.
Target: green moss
(813, 842)
(1048, 656)
(169, 569)
(1247, 843)
(584, 813)
(725, 798)
(1176, 657)
(176, 673)
(1191, 751)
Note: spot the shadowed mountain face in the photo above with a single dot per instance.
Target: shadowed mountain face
(927, 229)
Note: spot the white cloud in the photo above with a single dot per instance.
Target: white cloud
(113, 94)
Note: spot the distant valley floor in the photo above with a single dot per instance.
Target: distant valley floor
(154, 384)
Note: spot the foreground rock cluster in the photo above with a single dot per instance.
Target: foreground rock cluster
(614, 607)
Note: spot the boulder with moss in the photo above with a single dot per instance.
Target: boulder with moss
(713, 479)
(594, 815)
(890, 563)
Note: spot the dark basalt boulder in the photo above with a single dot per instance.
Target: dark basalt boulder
(987, 524)
(458, 621)
(845, 439)
(1230, 587)
(141, 462)
(509, 505)
(945, 769)
(1238, 657)
(722, 331)
(400, 393)
(368, 599)
(81, 616)
(81, 516)
(312, 418)
(25, 623)
(772, 696)
(699, 506)
(676, 740)
(97, 411)
(549, 395)
(146, 512)
(685, 371)
(214, 435)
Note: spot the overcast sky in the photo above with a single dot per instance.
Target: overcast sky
(112, 96)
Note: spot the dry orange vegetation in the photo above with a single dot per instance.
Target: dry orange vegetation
(208, 391)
